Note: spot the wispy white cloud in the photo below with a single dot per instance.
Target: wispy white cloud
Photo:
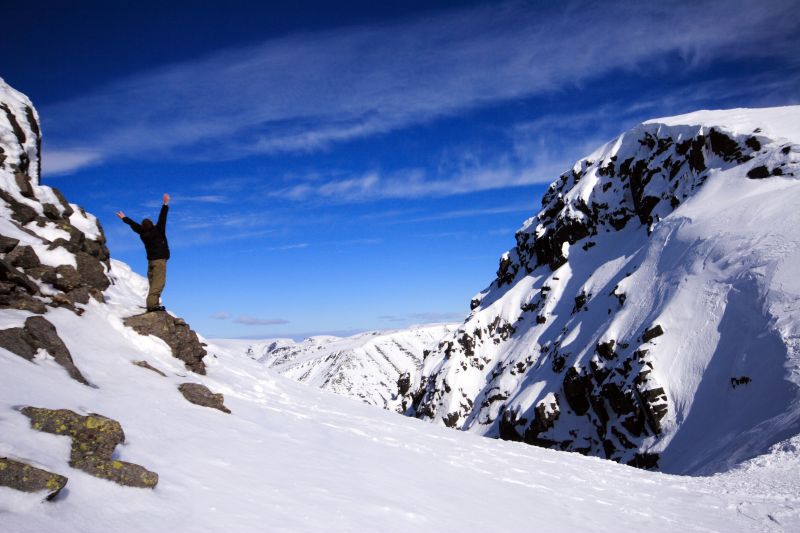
(186, 199)
(248, 320)
(307, 91)
(419, 183)
(55, 162)
(222, 315)
(297, 246)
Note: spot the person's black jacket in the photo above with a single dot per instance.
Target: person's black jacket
(154, 239)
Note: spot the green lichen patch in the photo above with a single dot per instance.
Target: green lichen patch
(94, 438)
(24, 477)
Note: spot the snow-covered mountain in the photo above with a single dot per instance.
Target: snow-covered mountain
(123, 420)
(366, 366)
(650, 312)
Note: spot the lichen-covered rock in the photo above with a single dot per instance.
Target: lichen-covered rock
(94, 438)
(26, 478)
(181, 339)
(200, 395)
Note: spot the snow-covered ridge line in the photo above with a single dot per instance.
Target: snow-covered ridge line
(649, 304)
(366, 366)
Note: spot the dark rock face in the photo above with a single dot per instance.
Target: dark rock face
(200, 395)
(94, 438)
(759, 173)
(22, 265)
(27, 478)
(596, 394)
(23, 257)
(652, 333)
(18, 341)
(7, 244)
(181, 339)
(39, 333)
(676, 167)
(404, 383)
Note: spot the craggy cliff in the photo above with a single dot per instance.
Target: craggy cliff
(650, 310)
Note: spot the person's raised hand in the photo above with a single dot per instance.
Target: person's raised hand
(166, 199)
(120, 214)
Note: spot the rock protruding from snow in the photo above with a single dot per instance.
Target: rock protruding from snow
(39, 334)
(148, 366)
(181, 339)
(200, 395)
(53, 253)
(660, 270)
(24, 477)
(94, 438)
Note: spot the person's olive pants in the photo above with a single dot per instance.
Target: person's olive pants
(157, 276)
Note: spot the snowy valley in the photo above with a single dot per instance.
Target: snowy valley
(660, 273)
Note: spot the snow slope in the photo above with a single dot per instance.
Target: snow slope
(293, 458)
(364, 366)
(650, 313)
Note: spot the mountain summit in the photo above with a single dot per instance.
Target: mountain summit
(650, 312)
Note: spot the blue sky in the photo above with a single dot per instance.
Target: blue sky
(343, 167)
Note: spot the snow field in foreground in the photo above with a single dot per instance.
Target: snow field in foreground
(293, 458)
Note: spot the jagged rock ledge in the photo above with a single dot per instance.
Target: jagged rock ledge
(181, 339)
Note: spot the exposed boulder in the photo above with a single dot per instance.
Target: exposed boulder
(44, 336)
(181, 339)
(18, 341)
(7, 244)
(91, 271)
(37, 334)
(200, 395)
(23, 257)
(26, 478)
(652, 333)
(94, 438)
(11, 275)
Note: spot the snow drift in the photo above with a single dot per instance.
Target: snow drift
(650, 312)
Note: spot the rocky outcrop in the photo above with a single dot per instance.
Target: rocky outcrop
(644, 187)
(181, 339)
(39, 334)
(35, 272)
(26, 478)
(562, 349)
(94, 438)
(200, 395)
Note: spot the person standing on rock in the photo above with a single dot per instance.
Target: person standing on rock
(154, 237)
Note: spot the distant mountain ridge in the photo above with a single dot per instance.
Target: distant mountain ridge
(650, 312)
(366, 366)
